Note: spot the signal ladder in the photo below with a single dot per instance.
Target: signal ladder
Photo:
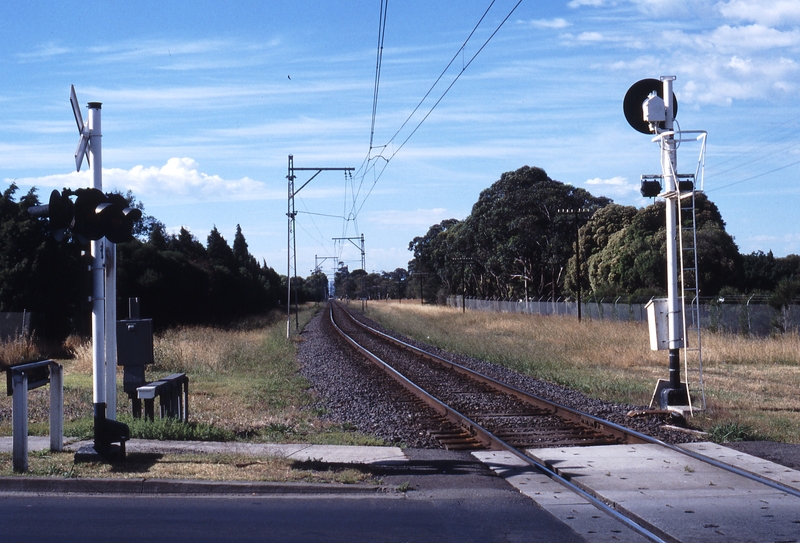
(690, 288)
(688, 185)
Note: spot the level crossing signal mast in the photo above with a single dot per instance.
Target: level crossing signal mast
(92, 216)
(102, 220)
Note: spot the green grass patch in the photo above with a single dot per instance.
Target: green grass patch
(728, 432)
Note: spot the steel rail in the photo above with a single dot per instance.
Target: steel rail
(634, 436)
(625, 435)
(493, 441)
(485, 437)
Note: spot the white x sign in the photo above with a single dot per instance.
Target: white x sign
(83, 144)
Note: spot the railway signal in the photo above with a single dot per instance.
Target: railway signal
(97, 216)
(650, 107)
(92, 216)
(61, 212)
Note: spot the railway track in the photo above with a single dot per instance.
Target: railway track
(474, 411)
(479, 411)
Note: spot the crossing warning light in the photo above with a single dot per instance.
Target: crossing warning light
(92, 216)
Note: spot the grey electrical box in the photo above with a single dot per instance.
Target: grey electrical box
(658, 322)
(653, 109)
(135, 342)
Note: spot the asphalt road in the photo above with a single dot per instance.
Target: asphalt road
(460, 516)
(450, 497)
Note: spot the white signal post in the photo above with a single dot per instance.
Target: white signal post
(93, 133)
(669, 168)
(656, 114)
(104, 313)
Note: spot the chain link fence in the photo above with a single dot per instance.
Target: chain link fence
(735, 318)
(13, 325)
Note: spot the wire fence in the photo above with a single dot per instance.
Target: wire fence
(13, 325)
(735, 318)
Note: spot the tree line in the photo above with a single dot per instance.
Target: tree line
(529, 236)
(178, 279)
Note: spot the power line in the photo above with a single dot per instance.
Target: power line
(761, 147)
(463, 69)
(755, 176)
(378, 63)
(370, 161)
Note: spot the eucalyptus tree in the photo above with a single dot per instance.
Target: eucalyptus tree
(520, 226)
(633, 260)
(429, 270)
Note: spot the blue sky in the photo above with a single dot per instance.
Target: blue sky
(203, 102)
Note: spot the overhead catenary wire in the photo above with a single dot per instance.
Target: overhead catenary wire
(353, 200)
(378, 64)
(761, 147)
(368, 164)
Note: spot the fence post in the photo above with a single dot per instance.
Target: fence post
(19, 421)
(56, 407)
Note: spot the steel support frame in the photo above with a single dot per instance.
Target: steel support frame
(291, 242)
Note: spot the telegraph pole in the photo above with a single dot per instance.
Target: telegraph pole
(578, 214)
(291, 249)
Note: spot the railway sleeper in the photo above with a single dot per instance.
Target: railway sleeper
(464, 444)
(533, 440)
(545, 436)
(521, 414)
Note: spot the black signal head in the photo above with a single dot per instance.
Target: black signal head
(635, 97)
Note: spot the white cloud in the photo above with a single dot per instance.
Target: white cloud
(180, 177)
(581, 3)
(179, 180)
(673, 9)
(767, 12)
(615, 188)
(549, 23)
(726, 64)
(734, 39)
(590, 37)
(45, 52)
(752, 37)
(721, 80)
(612, 181)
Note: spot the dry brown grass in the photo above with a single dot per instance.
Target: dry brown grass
(753, 382)
(243, 384)
(16, 350)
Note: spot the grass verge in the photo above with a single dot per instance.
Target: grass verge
(215, 467)
(243, 385)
